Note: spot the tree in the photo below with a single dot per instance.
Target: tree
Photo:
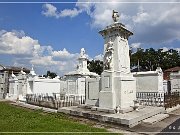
(51, 74)
(150, 59)
(95, 66)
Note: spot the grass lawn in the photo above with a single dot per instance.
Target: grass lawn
(15, 119)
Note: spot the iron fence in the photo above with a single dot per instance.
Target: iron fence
(54, 101)
(167, 100)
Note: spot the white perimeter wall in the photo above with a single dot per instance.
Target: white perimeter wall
(151, 82)
(46, 86)
(175, 82)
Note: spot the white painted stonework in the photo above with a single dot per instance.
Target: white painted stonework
(175, 81)
(75, 86)
(118, 86)
(82, 69)
(22, 84)
(17, 86)
(44, 85)
(74, 82)
(3, 83)
(13, 88)
(165, 86)
(41, 85)
(92, 91)
(150, 81)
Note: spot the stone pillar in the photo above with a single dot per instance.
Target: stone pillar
(118, 86)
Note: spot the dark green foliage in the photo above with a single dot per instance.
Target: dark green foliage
(150, 59)
(50, 74)
(95, 66)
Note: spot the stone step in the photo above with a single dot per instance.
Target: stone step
(169, 110)
(34, 107)
(49, 110)
(130, 119)
(135, 117)
(155, 119)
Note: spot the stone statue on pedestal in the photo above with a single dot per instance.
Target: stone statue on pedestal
(118, 86)
(108, 56)
(82, 54)
(115, 16)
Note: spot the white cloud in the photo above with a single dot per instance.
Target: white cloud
(27, 51)
(15, 42)
(164, 49)
(177, 49)
(68, 12)
(141, 17)
(154, 23)
(135, 45)
(63, 55)
(51, 11)
(99, 57)
(43, 61)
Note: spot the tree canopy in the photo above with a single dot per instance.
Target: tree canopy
(50, 74)
(150, 59)
(95, 66)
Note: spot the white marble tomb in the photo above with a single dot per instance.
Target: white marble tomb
(117, 85)
(74, 81)
(175, 81)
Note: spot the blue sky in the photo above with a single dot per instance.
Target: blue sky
(50, 35)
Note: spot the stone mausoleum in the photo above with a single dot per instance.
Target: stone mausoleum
(74, 81)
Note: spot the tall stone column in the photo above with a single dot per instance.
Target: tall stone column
(118, 86)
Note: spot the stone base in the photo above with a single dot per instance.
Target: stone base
(169, 110)
(107, 110)
(155, 119)
(117, 90)
(130, 119)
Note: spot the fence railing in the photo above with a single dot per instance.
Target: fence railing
(150, 98)
(56, 101)
(167, 100)
(171, 99)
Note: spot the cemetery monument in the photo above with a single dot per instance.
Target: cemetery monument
(118, 86)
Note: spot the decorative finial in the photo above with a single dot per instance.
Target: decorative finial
(32, 67)
(32, 72)
(22, 72)
(82, 54)
(115, 16)
(12, 74)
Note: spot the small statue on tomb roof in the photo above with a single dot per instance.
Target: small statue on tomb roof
(115, 16)
(82, 54)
